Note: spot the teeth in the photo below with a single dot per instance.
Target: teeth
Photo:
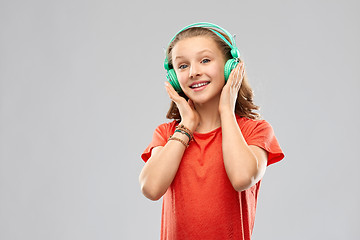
(199, 85)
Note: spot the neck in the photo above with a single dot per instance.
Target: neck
(209, 115)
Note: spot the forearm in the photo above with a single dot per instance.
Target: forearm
(161, 168)
(240, 162)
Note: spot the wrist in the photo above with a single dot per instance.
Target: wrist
(181, 138)
(189, 125)
(227, 113)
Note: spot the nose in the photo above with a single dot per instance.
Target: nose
(195, 71)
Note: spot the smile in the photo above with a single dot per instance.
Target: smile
(197, 85)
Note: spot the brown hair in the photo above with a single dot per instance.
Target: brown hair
(244, 106)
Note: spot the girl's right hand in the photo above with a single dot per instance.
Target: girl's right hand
(189, 116)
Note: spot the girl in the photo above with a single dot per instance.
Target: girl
(209, 161)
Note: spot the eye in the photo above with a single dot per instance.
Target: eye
(182, 66)
(205, 60)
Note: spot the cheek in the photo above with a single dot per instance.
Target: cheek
(181, 76)
(218, 72)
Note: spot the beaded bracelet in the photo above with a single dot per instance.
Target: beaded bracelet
(178, 139)
(185, 129)
(183, 132)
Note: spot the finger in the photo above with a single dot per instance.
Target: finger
(170, 87)
(171, 92)
(236, 75)
(171, 95)
(167, 88)
(240, 76)
(231, 76)
(191, 104)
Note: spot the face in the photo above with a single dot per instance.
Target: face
(199, 66)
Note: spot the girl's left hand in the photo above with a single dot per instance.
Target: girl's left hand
(230, 90)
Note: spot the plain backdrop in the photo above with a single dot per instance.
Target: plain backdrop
(82, 90)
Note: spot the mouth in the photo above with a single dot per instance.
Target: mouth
(199, 85)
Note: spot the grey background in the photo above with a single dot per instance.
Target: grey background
(81, 92)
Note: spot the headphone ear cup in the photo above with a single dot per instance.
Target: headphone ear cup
(171, 76)
(229, 66)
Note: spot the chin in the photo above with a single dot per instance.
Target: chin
(204, 99)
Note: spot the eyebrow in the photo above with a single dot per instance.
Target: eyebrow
(198, 53)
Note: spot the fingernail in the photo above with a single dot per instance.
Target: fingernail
(166, 84)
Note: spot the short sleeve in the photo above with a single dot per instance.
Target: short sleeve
(262, 135)
(160, 137)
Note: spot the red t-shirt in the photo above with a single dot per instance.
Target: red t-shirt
(201, 202)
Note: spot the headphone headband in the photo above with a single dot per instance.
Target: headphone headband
(214, 28)
(209, 25)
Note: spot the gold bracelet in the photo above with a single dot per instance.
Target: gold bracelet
(178, 139)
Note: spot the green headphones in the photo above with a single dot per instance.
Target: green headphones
(229, 65)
